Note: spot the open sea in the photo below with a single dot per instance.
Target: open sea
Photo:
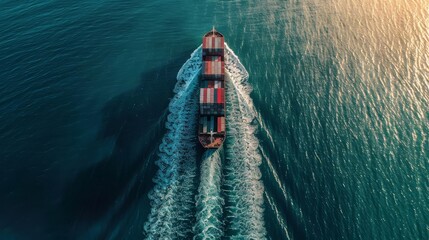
(327, 120)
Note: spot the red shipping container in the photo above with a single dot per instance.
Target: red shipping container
(219, 96)
(206, 42)
(209, 68)
(219, 124)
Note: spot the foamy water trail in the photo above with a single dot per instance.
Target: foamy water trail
(172, 199)
(243, 186)
(209, 199)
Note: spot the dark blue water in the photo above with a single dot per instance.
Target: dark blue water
(332, 143)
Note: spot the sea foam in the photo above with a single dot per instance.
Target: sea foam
(172, 200)
(242, 184)
(209, 199)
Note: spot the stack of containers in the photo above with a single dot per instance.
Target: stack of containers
(213, 45)
(212, 86)
(214, 67)
(212, 101)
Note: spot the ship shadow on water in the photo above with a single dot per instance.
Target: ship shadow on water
(116, 183)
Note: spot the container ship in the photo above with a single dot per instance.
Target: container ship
(211, 131)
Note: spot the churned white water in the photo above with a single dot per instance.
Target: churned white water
(239, 182)
(210, 202)
(243, 186)
(172, 196)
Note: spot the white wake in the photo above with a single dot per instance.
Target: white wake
(172, 204)
(243, 186)
(209, 200)
(171, 199)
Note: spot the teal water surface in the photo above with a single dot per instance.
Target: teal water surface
(332, 143)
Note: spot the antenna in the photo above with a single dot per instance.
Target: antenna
(211, 135)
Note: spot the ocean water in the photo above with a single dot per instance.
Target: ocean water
(327, 115)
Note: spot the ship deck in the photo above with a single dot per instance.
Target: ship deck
(215, 143)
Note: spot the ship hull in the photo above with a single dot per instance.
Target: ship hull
(211, 131)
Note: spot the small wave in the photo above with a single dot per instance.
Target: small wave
(279, 218)
(171, 199)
